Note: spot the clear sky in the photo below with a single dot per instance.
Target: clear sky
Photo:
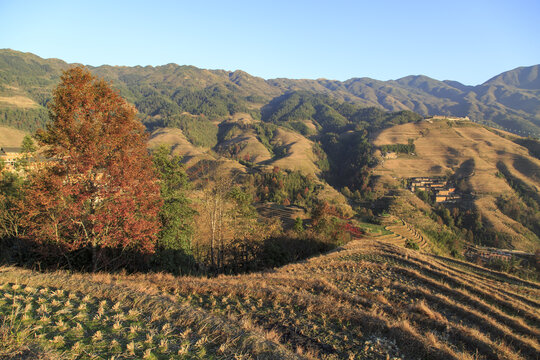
(468, 41)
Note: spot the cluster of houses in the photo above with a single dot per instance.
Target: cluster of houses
(486, 254)
(448, 118)
(9, 156)
(442, 189)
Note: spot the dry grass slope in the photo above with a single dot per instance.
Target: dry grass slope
(368, 300)
(474, 154)
(10, 137)
(18, 101)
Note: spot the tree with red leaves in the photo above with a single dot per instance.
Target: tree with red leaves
(99, 189)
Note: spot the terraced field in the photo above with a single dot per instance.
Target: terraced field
(475, 155)
(368, 300)
(402, 233)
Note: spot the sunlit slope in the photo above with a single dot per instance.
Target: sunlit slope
(192, 155)
(10, 137)
(369, 300)
(511, 100)
(241, 145)
(472, 153)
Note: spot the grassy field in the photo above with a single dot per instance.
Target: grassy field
(18, 101)
(465, 148)
(10, 137)
(368, 300)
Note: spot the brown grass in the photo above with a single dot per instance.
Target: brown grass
(10, 137)
(365, 298)
(18, 101)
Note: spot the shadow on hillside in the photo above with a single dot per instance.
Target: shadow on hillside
(49, 257)
(242, 257)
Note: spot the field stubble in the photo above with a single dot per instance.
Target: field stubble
(368, 300)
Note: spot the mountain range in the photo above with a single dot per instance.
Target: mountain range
(510, 100)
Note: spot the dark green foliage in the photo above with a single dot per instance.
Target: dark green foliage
(301, 127)
(512, 105)
(27, 149)
(322, 159)
(514, 266)
(468, 224)
(28, 145)
(176, 216)
(351, 159)
(244, 203)
(329, 114)
(349, 155)
(528, 216)
(425, 196)
(446, 239)
(399, 148)
(374, 119)
(156, 105)
(11, 227)
(295, 106)
(298, 225)
(213, 102)
(24, 119)
(284, 186)
(200, 131)
(227, 131)
(265, 134)
(528, 194)
(411, 244)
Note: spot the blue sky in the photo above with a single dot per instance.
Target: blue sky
(468, 41)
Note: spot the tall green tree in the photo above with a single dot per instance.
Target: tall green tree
(28, 148)
(176, 215)
(174, 251)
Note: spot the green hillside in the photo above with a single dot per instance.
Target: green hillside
(510, 100)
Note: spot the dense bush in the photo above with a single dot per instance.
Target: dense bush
(409, 148)
(285, 187)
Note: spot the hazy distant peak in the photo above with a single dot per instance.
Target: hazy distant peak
(525, 77)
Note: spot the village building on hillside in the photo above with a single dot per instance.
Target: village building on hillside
(9, 156)
(484, 254)
(449, 118)
(441, 188)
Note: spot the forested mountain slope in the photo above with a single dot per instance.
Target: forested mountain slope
(510, 100)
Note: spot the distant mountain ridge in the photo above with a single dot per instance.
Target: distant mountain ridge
(510, 100)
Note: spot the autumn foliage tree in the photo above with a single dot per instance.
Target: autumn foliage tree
(99, 190)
